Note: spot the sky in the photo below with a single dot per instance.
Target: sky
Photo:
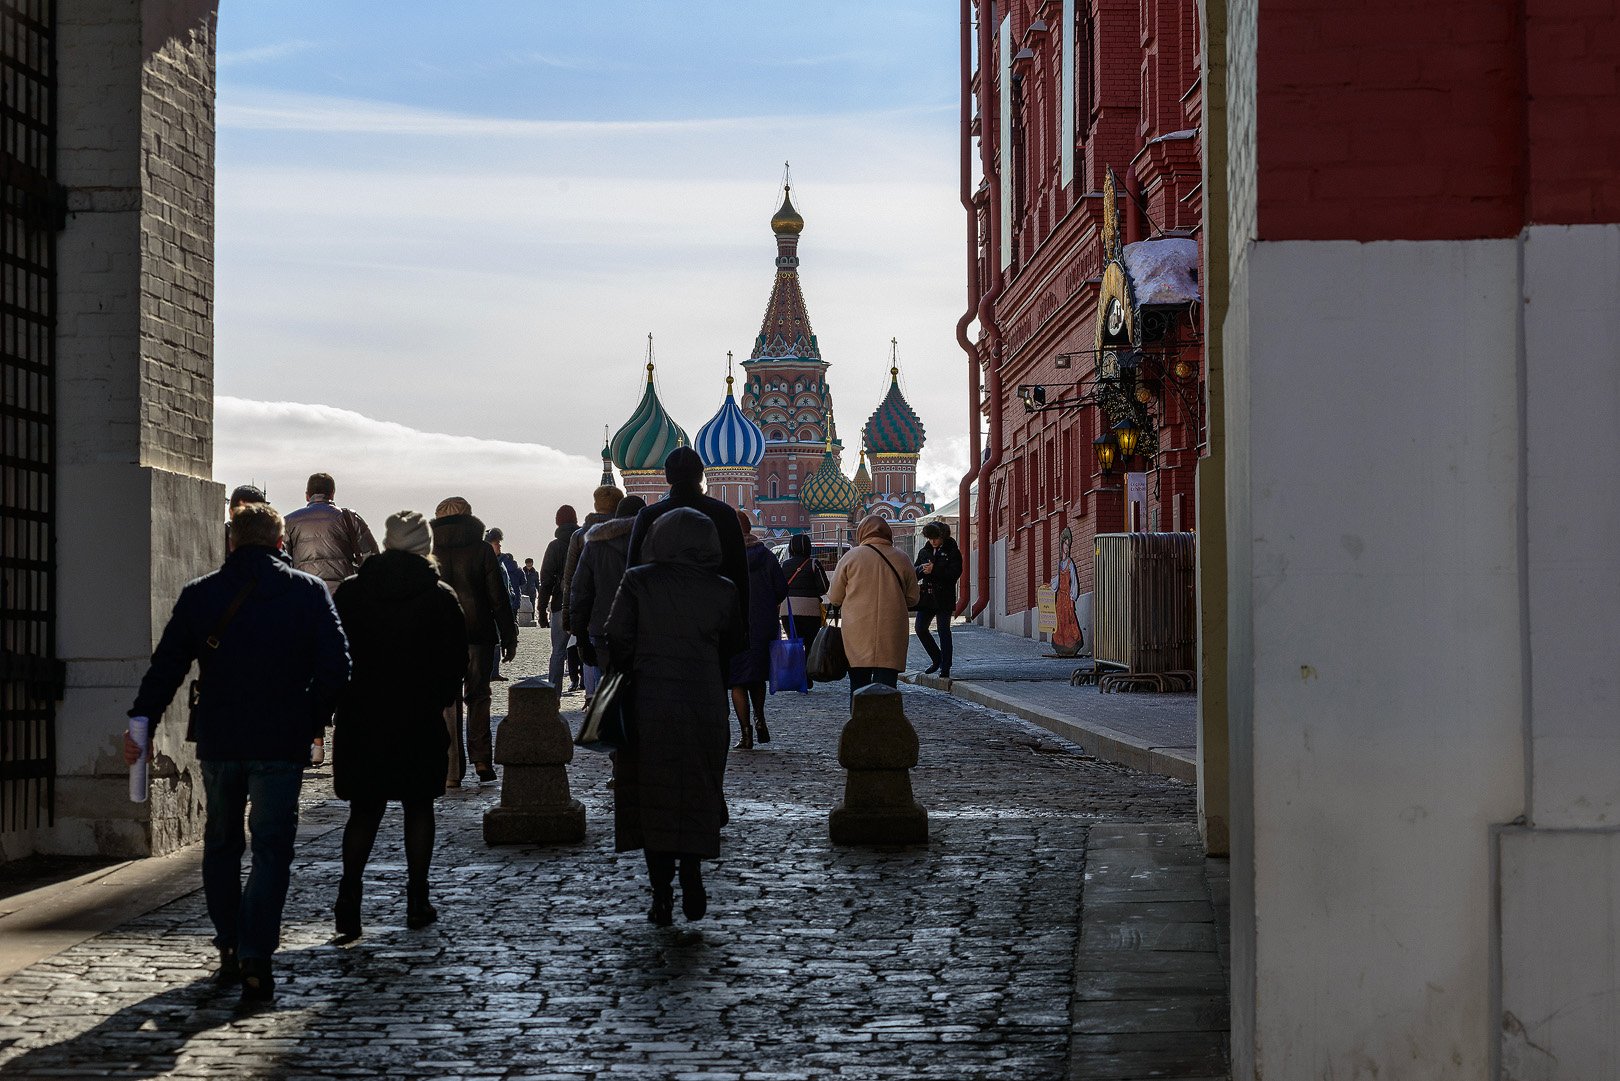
(444, 232)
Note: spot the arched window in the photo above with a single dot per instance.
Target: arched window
(777, 436)
(775, 494)
(807, 435)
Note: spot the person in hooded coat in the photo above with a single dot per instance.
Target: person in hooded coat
(874, 586)
(596, 579)
(471, 568)
(684, 471)
(408, 640)
(673, 620)
(751, 668)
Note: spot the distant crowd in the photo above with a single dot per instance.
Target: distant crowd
(308, 625)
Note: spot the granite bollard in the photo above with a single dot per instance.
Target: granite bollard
(878, 747)
(535, 746)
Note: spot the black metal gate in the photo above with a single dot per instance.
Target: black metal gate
(30, 674)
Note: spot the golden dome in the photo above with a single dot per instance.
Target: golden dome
(787, 220)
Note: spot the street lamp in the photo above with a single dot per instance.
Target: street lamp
(1104, 446)
(1125, 434)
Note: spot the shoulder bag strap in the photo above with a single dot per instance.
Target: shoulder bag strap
(212, 641)
(885, 560)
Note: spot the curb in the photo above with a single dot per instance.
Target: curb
(1108, 744)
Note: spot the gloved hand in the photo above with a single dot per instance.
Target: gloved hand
(545, 621)
(509, 653)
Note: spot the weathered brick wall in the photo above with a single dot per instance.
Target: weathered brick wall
(177, 238)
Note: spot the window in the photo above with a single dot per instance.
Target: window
(774, 493)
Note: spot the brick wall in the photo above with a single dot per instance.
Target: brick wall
(177, 229)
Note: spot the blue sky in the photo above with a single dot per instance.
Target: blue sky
(465, 224)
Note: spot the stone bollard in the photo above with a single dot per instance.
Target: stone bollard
(878, 748)
(535, 746)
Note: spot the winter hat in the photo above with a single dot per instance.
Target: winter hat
(247, 493)
(629, 506)
(683, 466)
(567, 515)
(494, 536)
(606, 498)
(452, 506)
(408, 532)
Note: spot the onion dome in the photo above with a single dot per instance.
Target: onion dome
(895, 427)
(863, 479)
(786, 219)
(828, 491)
(648, 436)
(730, 440)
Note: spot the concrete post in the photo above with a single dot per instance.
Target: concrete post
(535, 746)
(878, 748)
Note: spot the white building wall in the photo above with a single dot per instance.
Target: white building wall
(1377, 652)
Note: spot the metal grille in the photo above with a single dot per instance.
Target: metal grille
(31, 677)
(1146, 606)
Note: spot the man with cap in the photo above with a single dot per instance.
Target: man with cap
(242, 493)
(684, 471)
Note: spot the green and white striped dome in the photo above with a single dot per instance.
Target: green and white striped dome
(648, 436)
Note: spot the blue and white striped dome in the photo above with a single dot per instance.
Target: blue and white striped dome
(730, 440)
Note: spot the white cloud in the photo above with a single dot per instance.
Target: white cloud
(263, 54)
(381, 467)
(939, 472)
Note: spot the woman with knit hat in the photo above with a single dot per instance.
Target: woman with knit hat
(408, 644)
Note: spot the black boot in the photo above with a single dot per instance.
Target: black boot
(347, 910)
(257, 983)
(662, 912)
(418, 912)
(694, 898)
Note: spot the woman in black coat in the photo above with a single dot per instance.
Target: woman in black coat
(751, 668)
(939, 565)
(673, 625)
(807, 585)
(408, 641)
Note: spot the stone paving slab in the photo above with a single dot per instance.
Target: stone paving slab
(957, 959)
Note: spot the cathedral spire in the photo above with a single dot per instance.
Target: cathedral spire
(785, 332)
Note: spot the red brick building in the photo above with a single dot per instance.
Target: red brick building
(1081, 179)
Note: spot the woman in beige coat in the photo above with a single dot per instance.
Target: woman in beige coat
(873, 587)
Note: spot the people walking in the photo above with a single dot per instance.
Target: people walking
(531, 588)
(242, 493)
(327, 540)
(604, 503)
(873, 586)
(470, 567)
(684, 471)
(408, 643)
(271, 661)
(552, 565)
(802, 611)
(672, 624)
(751, 668)
(938, 566)
(596, 580)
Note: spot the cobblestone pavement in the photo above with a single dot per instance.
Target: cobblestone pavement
(955, 960)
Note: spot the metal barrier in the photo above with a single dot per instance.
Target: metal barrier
(1146, 604)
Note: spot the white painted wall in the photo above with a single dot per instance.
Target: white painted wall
(1377, 666)
(1560, 878)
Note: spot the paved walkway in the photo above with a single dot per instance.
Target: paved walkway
(979, 956)
(1153, 733)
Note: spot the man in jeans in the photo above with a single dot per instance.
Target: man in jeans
(552, 595)
(271, 659)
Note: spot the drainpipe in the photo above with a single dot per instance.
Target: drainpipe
(964, 491)
(987, 319)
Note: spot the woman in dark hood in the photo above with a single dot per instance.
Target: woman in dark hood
(751, 668)
(673, 620)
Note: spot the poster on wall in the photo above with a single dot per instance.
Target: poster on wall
(1067, 638)
(1047, 623)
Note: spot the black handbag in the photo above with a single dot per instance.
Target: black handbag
(827, 661)
(609, 723)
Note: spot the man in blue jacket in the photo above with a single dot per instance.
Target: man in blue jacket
(271, 660)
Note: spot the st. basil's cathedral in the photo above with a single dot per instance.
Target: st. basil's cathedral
(776, 453)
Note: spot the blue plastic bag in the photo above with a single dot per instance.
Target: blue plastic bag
(787, 662)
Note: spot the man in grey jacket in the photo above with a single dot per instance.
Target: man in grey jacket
(324, 539)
